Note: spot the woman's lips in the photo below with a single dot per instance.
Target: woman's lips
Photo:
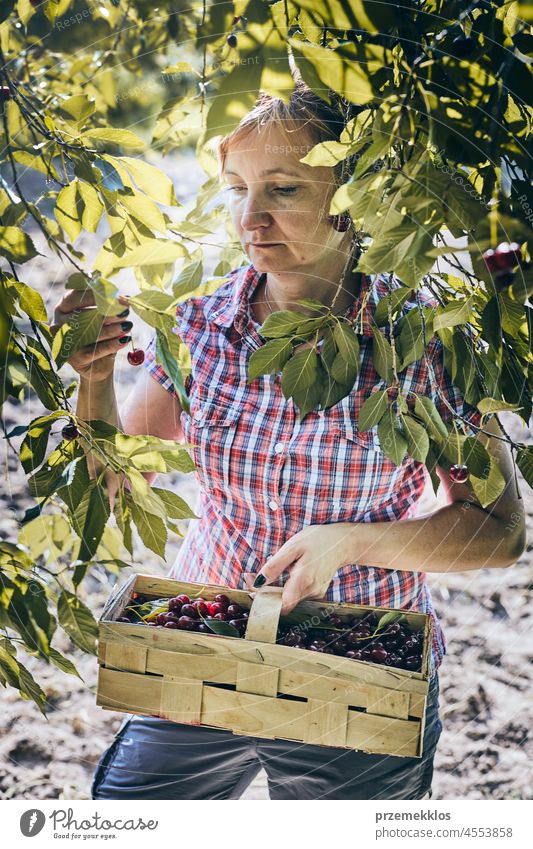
(265, 244)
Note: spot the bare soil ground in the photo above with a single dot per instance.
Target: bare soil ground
(485, 750)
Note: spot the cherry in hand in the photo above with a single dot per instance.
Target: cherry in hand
(459, 474)
(136, 357)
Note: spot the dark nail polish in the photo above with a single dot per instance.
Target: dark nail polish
(125, 313)
(126, 325)
(259, 581)
(124, 339)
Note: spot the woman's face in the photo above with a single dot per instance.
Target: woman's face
(279, 206)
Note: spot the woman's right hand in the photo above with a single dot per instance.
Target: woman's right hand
(94, 362)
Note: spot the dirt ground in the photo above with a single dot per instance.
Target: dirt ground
(485, 751)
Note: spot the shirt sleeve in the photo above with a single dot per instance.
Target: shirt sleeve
(446, 395)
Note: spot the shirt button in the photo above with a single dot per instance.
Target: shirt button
(278, 447)
(273, 505)
(198, 415)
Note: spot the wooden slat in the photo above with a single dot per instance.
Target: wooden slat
(381, 735)
(260, 680)
(171, 663)
(126, 657)
(249, 651)
(388, 702)
(181, 701)
(255, 716)
(125, 691)
(326, 723)
(262, 625)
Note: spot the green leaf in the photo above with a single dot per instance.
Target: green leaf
(490, 488)
(92, 207)
(166, 357)
(286, 323)
(188, 279)
(388, 619)
(33, 447)
(270, 358)
(30, 689)
(16, 245)
(82, 329)
(151, 528)
(524, 461)
(326, 154)
(492, 405)
(347, 344)
(417, 439)
(77, 621)
(299, 373)
(457, 312)
(90, 518)
(342, 371)
(223, 629)
(382, 356)
(144, 210)
(373, 410)
(391, 441)
(151, 252)
(149, 179)
(62, 663)
(476, 457)
(66, 211)
(426, 410)
(123, 138)
(397, 299)
(176, 507)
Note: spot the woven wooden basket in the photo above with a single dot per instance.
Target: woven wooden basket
(255, 687)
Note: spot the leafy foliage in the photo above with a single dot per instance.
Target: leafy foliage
(436, 142)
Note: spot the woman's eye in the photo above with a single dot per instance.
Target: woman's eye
(236, 188)
(286, 190)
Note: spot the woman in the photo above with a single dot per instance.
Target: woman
(307, 501)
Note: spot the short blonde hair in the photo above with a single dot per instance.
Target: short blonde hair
(305, 111)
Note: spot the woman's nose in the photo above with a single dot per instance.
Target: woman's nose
(254, 215)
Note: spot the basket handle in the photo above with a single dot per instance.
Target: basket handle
(262, 626)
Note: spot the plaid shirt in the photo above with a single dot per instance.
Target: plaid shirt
(264, 476)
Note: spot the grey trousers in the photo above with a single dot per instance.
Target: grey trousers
(155, 759)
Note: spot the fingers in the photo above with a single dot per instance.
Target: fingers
(75, 299)
(275, 565)
(99, 350)
(295, 590)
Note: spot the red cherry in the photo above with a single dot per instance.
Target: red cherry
(412, 662)
(5, 93)
(354, 654)
(175, 604)
(190, 611)
(185, 623)
(234, 611)
(184, 599)
(216, 608)
(459, 474)
(504, 258)
(136, 357)
(200, 607)
(70, 432)
(171, 624)
(221, 617)
(222, 599)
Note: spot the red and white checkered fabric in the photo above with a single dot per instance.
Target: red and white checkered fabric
(264, 476)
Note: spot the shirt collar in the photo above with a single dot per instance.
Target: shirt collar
(234, 309)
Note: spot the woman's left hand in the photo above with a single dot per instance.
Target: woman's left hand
(312, 556)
